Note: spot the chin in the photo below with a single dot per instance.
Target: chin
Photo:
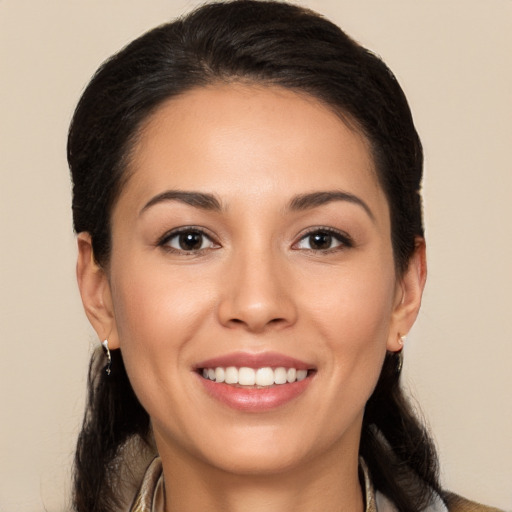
(259, 462)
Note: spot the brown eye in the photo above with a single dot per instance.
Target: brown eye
(324, 240)
(320, 241)
(188, 240)
(192, 241)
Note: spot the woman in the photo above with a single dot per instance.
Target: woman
(251, 254)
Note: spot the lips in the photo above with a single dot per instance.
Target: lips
(255, 382)
(241, 359)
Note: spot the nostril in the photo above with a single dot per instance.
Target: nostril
(276, 320)
(273, 321)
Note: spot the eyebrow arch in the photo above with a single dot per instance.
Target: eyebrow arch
(196, 199)
(314, 199)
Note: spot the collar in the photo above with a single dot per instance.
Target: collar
(150, 497)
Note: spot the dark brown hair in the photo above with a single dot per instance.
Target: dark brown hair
(262, 42)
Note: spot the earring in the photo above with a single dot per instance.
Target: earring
(106, 351)
(400, 361)
(400, 353)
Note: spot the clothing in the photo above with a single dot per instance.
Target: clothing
(459, 504)
(150, 497)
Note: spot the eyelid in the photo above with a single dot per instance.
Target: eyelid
(344, 238)
(168, 235)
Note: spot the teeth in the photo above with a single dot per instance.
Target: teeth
(280, 376)
(246, 377)
(220, 375)
(262, 377)
(302, 374)
(291, 374)
(231, 375)
(265, 377)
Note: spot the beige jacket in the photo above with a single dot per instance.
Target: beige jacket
(150, 497)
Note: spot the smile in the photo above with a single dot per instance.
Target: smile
(254, 377)
(255, 383)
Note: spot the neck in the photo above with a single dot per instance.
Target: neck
(328, 483)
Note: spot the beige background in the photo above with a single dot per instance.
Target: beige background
(453, 60)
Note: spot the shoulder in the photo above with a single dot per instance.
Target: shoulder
(456, 503)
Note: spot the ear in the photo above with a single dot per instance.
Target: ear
(95, 292)
(408, 296)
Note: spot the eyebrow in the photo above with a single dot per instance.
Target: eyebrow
(301, 202)
(315, 199)
(196, 199)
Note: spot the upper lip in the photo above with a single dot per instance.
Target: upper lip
(250, 360)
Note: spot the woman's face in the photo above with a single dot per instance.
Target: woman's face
(253, 234)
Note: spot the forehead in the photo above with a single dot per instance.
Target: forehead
(239, 140)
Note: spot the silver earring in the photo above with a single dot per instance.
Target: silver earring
(106, 351)
(400, 353)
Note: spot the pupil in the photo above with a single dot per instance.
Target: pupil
(191, 241)
(320, 241)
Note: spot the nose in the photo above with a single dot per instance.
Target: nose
(257, 293)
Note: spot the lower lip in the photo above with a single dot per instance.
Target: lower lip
(255, 399)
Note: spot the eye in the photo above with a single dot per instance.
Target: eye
(187, 240)
(324, 240)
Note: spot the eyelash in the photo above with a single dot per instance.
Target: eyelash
(170, 235)
(343, 239)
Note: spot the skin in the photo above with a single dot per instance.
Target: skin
(256, 285)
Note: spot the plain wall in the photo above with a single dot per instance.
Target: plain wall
(452, 57)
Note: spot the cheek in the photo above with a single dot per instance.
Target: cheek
(354, 307)
(356, 339)
(354, 319)
(152, 303)
(157, 314)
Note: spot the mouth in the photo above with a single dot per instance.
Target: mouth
(255, 378)
(255, 382)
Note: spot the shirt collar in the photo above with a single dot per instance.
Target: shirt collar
(150, 497)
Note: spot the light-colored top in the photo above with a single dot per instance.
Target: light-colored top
(150, 497)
